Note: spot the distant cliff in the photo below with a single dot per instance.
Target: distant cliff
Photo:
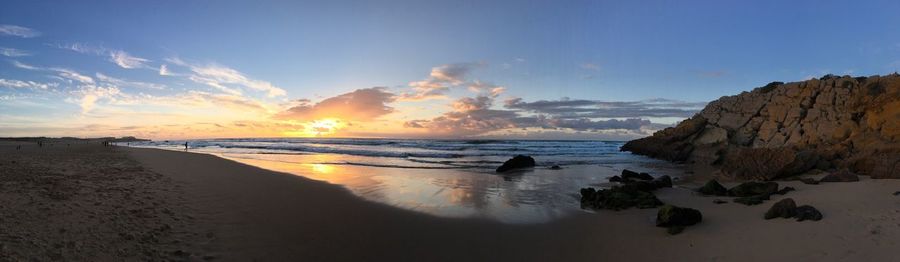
(780, 130)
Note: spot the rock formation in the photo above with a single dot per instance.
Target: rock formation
(780, 130)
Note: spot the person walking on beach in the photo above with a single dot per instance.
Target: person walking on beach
(185, 146)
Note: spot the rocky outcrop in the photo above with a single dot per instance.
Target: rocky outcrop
(781, 130)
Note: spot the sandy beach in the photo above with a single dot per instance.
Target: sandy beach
(89, 202)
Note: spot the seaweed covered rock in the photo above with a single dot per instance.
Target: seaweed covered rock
(676, 218)
(713, 188)
(519, 161)
(784, 209)
(753, 188)
(618, 198)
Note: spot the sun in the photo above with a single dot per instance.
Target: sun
(320, 127)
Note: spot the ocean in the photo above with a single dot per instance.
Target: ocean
(449, 178)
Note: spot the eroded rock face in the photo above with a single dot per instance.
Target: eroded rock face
(783, 129)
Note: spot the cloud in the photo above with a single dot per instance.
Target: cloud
(126, 60)
(119, 57)
(125, 83)
(26, 84)
(580, 108)
(12, 52)
(72, 75)
(474, 116)
(23, 65)
(164, 70)
(360, 105)
(439, 81)
(90, 94)
(82, 48)
(221, 77)
(14, 30)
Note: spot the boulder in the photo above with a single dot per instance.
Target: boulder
(712, 187)
(519, 161)
(616, 179)
(677, 218)
(840, 176)
(753, 188)
(631, 175)
(555, 167)
(806, 212)
(618, 198)
(784, 209)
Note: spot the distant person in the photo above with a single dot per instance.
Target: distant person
(18, 147)
(185, 146)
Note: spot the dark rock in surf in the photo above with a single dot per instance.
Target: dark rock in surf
(519, 161)
(555, 167)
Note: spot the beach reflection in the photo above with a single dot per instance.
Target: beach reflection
(530, 196)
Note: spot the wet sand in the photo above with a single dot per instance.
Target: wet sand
(239, 212)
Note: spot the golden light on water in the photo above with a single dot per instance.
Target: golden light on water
(322, 168)
(318, 128)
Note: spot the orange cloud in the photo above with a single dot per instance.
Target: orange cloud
(360, 105)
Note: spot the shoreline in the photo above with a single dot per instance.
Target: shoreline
(251, 213)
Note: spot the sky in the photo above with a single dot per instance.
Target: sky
(609, 70)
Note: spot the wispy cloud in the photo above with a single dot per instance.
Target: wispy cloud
(72, 75)
(11, 83)
(126, 83)
(12, 52)
(23, 65)
(19, 31)
(127, 61)
(82, 48)
(227, 79)
(119, 57)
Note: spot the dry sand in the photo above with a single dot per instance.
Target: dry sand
(242, 213)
